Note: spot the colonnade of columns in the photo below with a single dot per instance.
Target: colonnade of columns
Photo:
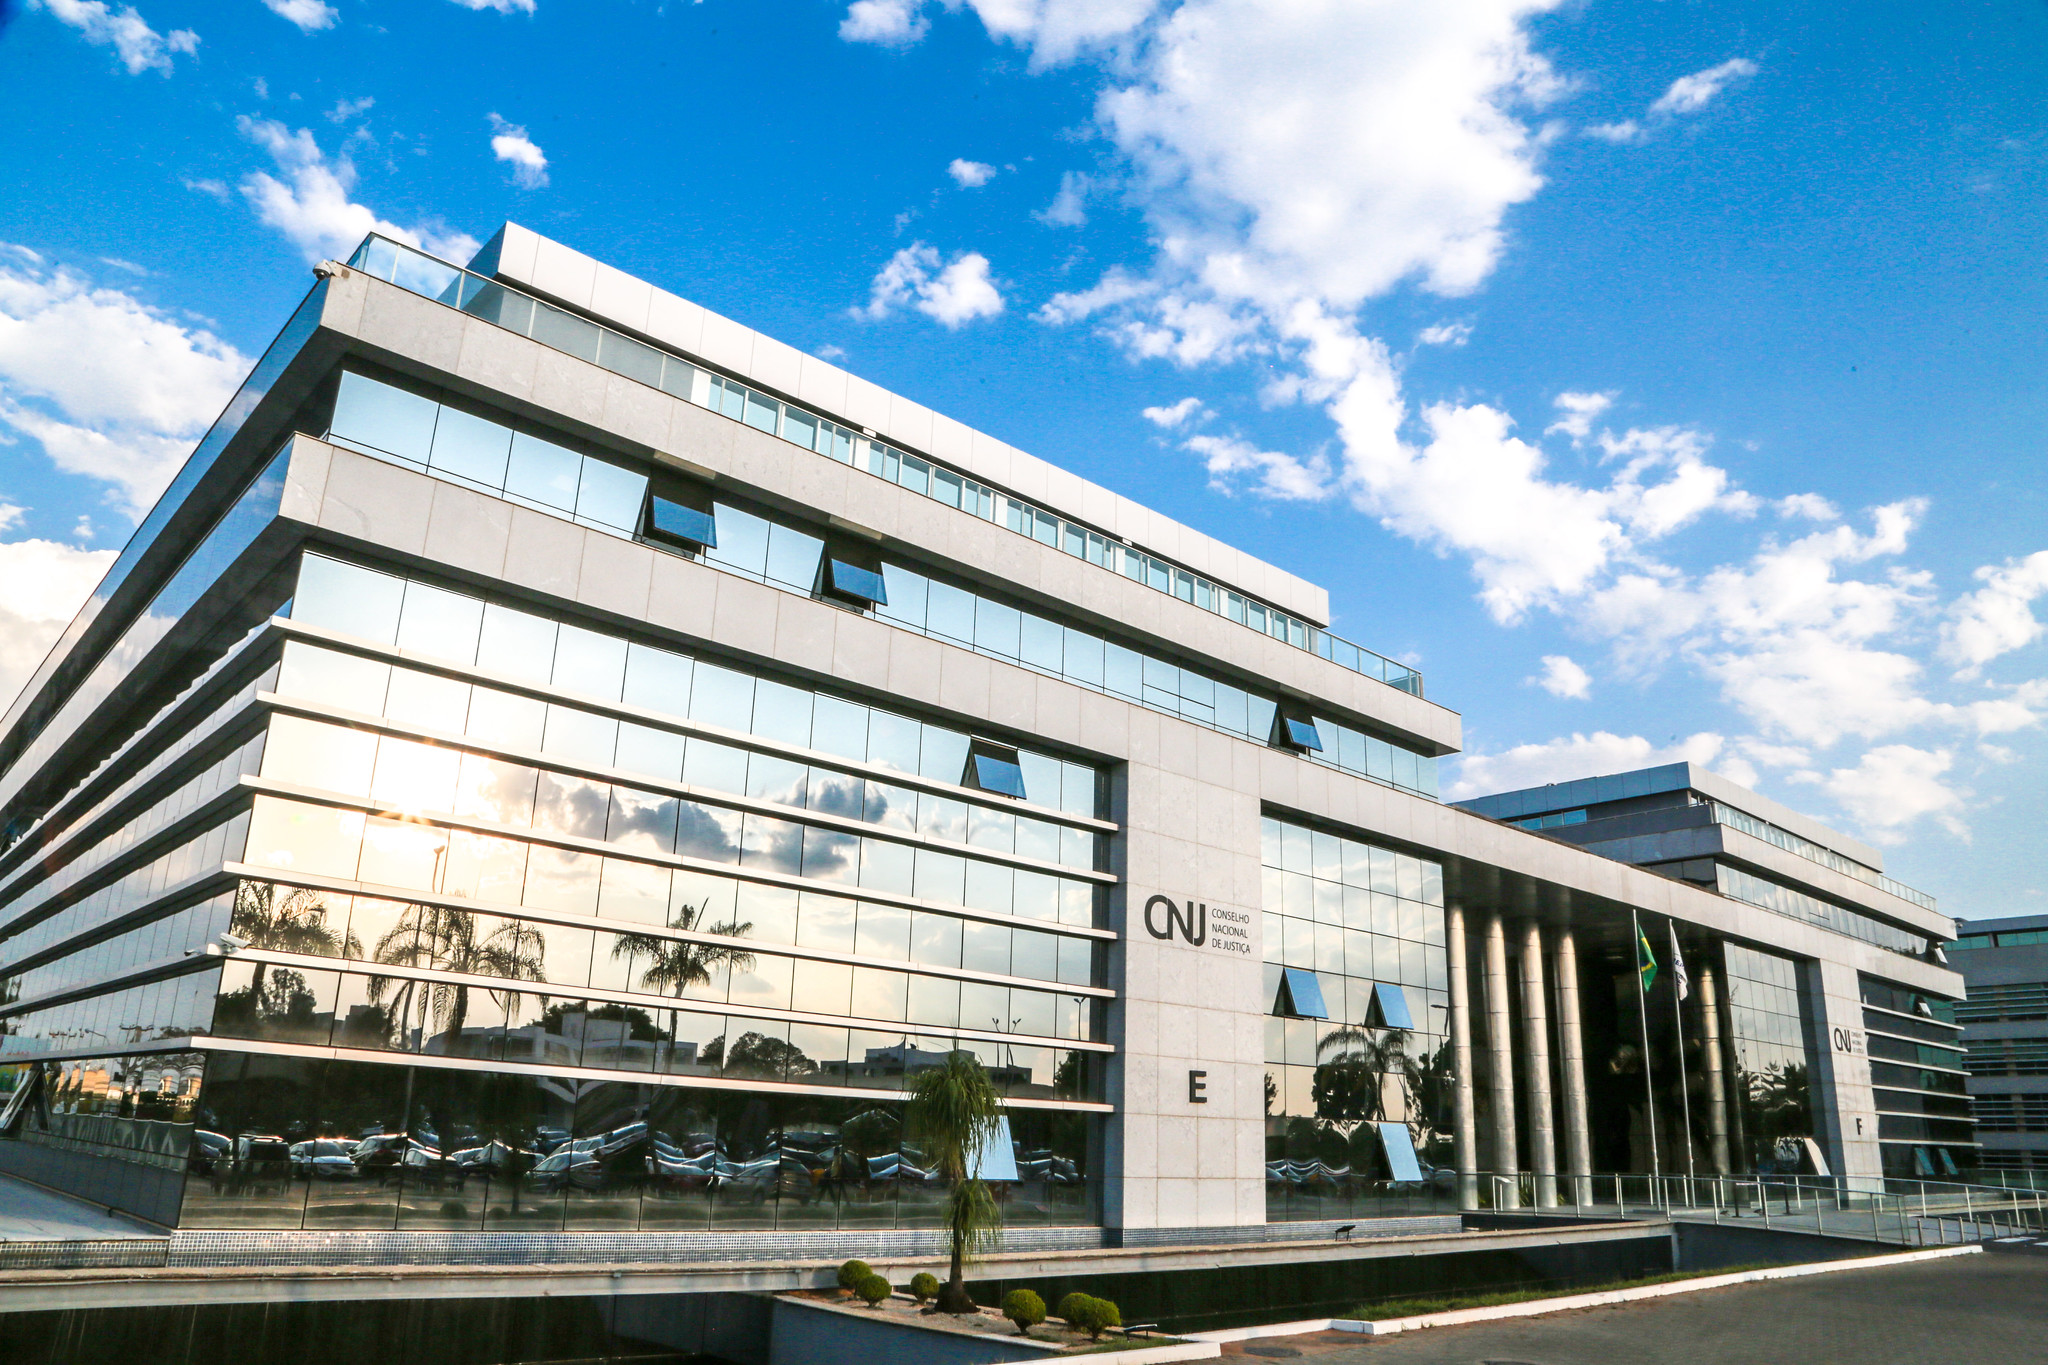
(1553, 950)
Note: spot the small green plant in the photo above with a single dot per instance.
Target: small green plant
(1069, 1305)
(1094, 1315)
(1024, 1308)
(455, 1209)
(923, 1285)
(874, 1289)
(852, 1273)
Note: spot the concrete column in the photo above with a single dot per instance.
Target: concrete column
(1536, 1067)
(1571, 1045)
(1501, 1055)
(1717, 1093)
(1464, 1130)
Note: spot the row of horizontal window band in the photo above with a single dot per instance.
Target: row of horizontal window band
(504, 722)
(2005, 1056)
(2011, 1113)
(424, 620)
(364, 1011)
(623, 355)
(1747, 887)
(429, 1147)
(1914, 1102)
(779, 553)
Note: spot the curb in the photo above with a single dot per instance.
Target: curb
(1538, 1307)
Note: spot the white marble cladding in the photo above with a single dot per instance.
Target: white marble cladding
(525, 376)
(547, 267)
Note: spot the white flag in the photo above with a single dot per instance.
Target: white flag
(1679, 979)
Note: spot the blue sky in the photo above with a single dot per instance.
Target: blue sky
(1663, 380)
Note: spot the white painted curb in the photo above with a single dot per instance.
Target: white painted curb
(1189, 1349)
(1538, 1307)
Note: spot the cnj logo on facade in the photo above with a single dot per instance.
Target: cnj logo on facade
(1164, 919)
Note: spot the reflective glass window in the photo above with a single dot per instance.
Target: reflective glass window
(715, 767)
(771, 845)
(610, 495)
(505, 720)
(883, 931)
(708, 832)
(428, 701)
(722, 697)
(543, 472)
(348, 599)
(577, 736)
(494, 790)
(438, 622)
(562, 879)
(310, 754)
(471, 447)
(516, 643)
(569, 805)
(384, 417)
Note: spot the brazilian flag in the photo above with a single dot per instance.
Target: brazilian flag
(1646, 960)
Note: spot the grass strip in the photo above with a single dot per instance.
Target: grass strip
(1450, 1303)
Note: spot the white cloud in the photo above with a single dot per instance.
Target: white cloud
(311, 204)
(1563, 678)
(953, 294)
(970, 175)
(1999, 617)
(1810, 506)
(886, 23)
(509, 143)
(1569, 758)
(1894, 785)
(1580, 411)
(1445, 334)
(111, 388)
(45, 584)
(1626, 131)
(501, 6)
(1233, 463)
(309, 15)
(1176, 414)
(1690, 94)
(139, 47)
(344, 110)
(1069, 207)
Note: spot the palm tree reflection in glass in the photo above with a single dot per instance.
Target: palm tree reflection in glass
(440, 938)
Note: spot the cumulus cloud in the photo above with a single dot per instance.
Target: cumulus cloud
(136, 45)
(1174, 415)
(1686, 95)
(886, 23)
(111, 388)
(501, 6)
(1445, 334)
(1069, 207)
(1894, 785)
(1563, 678)
(1690, 94)
(1999, 617)
(510, 144)
(952, 294)
(308, 15)
(311, 203)
(1236, 464)
(1809, 506)
(1578, 412)
(344, 110)
(970, 175)
(46, 582)
(1572, 757)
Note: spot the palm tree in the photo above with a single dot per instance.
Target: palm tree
(675, 966)
(285, 919)
(445, 939)
(954, 1113)
(1354, 1076)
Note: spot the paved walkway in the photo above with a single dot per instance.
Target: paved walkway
(1972, 1308)
(30, 1213)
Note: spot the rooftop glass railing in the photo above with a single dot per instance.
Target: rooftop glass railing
(1826, 857)
(576, 335)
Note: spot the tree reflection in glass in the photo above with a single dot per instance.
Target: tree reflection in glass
(673, 966)
(445, 939)
(286, 919)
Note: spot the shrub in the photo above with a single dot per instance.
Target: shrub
(1069, 1305)
(455, 1209)
(853, 1272)
(874, 1289)
(923, 1285)
(1024, 1308)
(1096, 1314)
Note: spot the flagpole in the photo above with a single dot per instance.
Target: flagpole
(1643, 1018)
(1680, 983)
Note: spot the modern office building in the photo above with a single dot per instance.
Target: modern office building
(1754, 1039)
(558, 759)
(2004, 1020)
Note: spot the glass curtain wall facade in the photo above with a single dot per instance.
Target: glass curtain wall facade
(386, 418)
(710, 922)
(1924, 1120)
(1769, 1064)
(1362, 1041)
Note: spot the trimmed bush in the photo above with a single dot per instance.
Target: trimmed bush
(1096, 1314)
(923, 1285)
(874, 1289)
(852, 1273)
(1024, 1308)
(1069, 1305)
